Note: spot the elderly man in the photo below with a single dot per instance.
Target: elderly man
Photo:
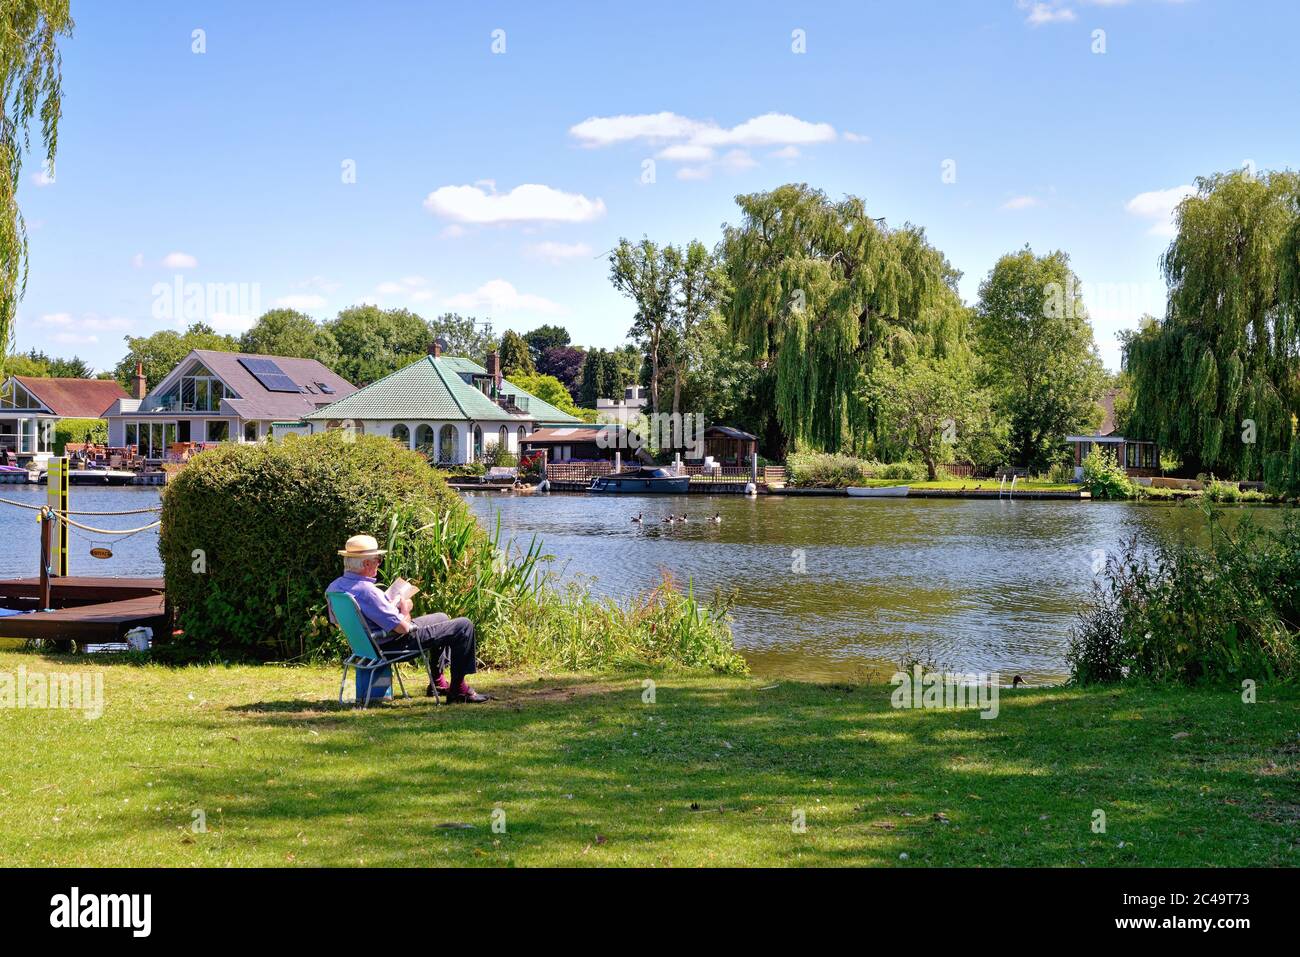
(434, 634)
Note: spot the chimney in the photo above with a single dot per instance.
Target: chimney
(435, 347)
(139, 386)
(494, 369)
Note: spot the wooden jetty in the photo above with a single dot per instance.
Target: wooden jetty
(83, 609)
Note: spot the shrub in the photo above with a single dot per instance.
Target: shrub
(1061, 473)
(79, 430)
(908, 471)
(269, 521)
(825, 470)
(1103, 477)
(1217, 491)
(1176, 612)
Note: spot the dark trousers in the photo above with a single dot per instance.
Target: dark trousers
(445, 639)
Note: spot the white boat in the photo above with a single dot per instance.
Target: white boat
(880, 491)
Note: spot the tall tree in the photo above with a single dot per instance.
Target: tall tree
(1218, 379)
(462, 336)
(515, 357)
(644, 273)
(375, 342)
(161, 351)
(600, 378)
(30, 87)
(546, 337)
(927, 406)
(1038, 352)
(287, 332)
(696, 288)
(820, 293)
(563, 363)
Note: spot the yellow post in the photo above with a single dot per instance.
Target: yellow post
(56, 471)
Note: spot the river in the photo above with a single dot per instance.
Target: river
(822, 587)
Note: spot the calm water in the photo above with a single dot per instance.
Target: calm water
(977, 585)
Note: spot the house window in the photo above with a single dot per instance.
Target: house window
(218, 430)
(523, 434)
(424, 437)
(250, 431)
(478, 443)
(402, 434)
(151, 439)
(447, 444)
(503, 438)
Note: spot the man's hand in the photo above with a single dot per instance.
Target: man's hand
(404, 606)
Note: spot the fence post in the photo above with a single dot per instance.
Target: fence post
(753, 468)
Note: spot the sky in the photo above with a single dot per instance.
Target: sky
(217, 159)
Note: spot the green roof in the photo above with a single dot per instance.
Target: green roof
(432, 388)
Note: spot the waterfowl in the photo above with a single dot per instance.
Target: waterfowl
(716, 519)
(638, 517)
(670, 520)
(683, 519)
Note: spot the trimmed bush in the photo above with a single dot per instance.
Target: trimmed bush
(79, 430)
(268, 521)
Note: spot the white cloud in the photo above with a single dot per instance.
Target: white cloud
(414, 288)
(696, 142)
(179, 261)
(138, 260)
(497, 295)
(301, 301)
(856, 137)
(559, 252)
(1158, 206)
(530, 202)
(326, 286)
(607, 130)
(83, 329)
(44, 178)
(1041, 12)
(1022, 202)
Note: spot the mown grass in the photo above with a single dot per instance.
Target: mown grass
(990, 485)
(588, 774)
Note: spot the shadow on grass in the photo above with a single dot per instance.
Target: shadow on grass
(717, 771)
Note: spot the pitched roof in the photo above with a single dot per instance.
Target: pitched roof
(74, 398)
(258, 402)
(433, 387)
(588, 433)
(1107, 403)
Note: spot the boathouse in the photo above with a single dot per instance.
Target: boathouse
(1138, 457)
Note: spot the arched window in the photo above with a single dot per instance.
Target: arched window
(447, 444)
(503, 439)
(402, 434)
(523, 435)
(478, 443)
(424, 437)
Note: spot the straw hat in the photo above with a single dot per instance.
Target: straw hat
(362, 546)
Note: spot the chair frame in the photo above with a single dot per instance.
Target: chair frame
(367, 655)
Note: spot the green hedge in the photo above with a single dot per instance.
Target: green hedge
(77, 430)
(269, 520)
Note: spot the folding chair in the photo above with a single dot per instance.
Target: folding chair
(366, 653)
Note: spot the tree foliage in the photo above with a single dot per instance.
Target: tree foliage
(515, 357)
(1218, 379)
(546, 337)
(821, 293)
(161, 351)
(30, 88)
(375, 342)
(1038, 353)
(926, 406)
(287, 332)
(461, 336)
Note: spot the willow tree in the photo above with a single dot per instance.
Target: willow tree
(1218, 380)
(30, 87)
(820, 293)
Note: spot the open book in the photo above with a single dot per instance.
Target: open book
(399, 589)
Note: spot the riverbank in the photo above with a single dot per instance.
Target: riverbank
(586, 773)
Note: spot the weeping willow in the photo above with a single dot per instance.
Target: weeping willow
(29, 87)
(819, 293)
(1218, 380)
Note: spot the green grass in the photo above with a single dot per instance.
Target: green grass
(588, 774)
(990, 485)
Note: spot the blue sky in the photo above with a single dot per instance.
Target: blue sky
(491, 182)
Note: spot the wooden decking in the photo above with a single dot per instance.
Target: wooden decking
(85, 609)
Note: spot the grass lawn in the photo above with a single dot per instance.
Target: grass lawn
(990, 485)
(587, 774)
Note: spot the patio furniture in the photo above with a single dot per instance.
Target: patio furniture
(366, 655)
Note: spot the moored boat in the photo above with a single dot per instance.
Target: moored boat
(640, 481)
(880, 491)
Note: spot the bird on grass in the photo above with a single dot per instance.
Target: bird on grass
(1017, 681)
